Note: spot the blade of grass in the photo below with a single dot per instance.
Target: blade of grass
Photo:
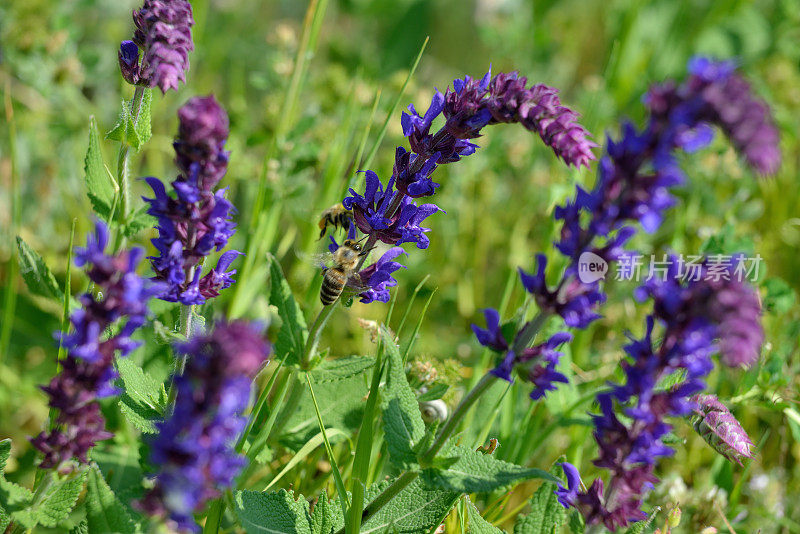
(257, 241)
(417, 327)
(259, 405)
(10, 303)
(304, 451)
(410, 303)
(362, 459)
(382, 131)
(337, 477)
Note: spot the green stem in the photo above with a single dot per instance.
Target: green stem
(386, 495)
(214, 517)
(313, 335)
(123, 177)
(185, 328)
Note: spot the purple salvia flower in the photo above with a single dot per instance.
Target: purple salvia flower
(371, 217)
(196, 221)
(88, 370)
(718, 426)
(163, 33)
(697, 316)
(193, 451)
(536, 364)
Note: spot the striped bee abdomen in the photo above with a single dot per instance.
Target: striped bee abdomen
(332, 285)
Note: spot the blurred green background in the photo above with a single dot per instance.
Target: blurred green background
(58, 67)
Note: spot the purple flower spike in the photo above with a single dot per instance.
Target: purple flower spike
(718, 426)
(193, 451)
(163, 32)
(88, 370)
(196, 221)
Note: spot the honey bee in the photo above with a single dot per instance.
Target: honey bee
(345, 261)
(336, 216)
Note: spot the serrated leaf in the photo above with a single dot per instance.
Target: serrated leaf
(415, 509)
(272, 513)
(143, 419)
(142, 126)
(104, 511)
(326, 517)
(12, 496)
(36, 273)
(340, 387)
(291, 339)
(577, 524)
(126, 131)
(58, 501)
(402, 422)
(640, 526)
(476, 523)
(547, 515)
(475, 472)
(144, 397)
(80, 528)
(139, 221)
(100, 185)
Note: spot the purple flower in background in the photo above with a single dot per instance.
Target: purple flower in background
(697, 317)
(636, 174)
(163, 33)
(491, 336)
(193, 451)
(88, 370)
(196, 221)
(718, 426)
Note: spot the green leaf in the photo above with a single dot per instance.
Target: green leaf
(475, 472)
(402, 422)
(126, 131)
(144, 397)
(340, 387)
(326, 517)
(577, 524)
(142, 126)
(435, 392)
(37, 275)
(291, 339)
(547, 515)
(100, 185)
(476, 523)
(272, 513)
(80, 528)
(640, 526)
(104, 511)
(12, 496)
(58, 501)
(138, 221)
(415, 509)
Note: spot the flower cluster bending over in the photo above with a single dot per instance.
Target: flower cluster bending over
(87, 373)
(391, 214)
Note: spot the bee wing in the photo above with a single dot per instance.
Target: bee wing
(320, 260)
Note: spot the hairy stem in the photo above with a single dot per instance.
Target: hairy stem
(313, 336)
(123, 177)
(185, 327)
